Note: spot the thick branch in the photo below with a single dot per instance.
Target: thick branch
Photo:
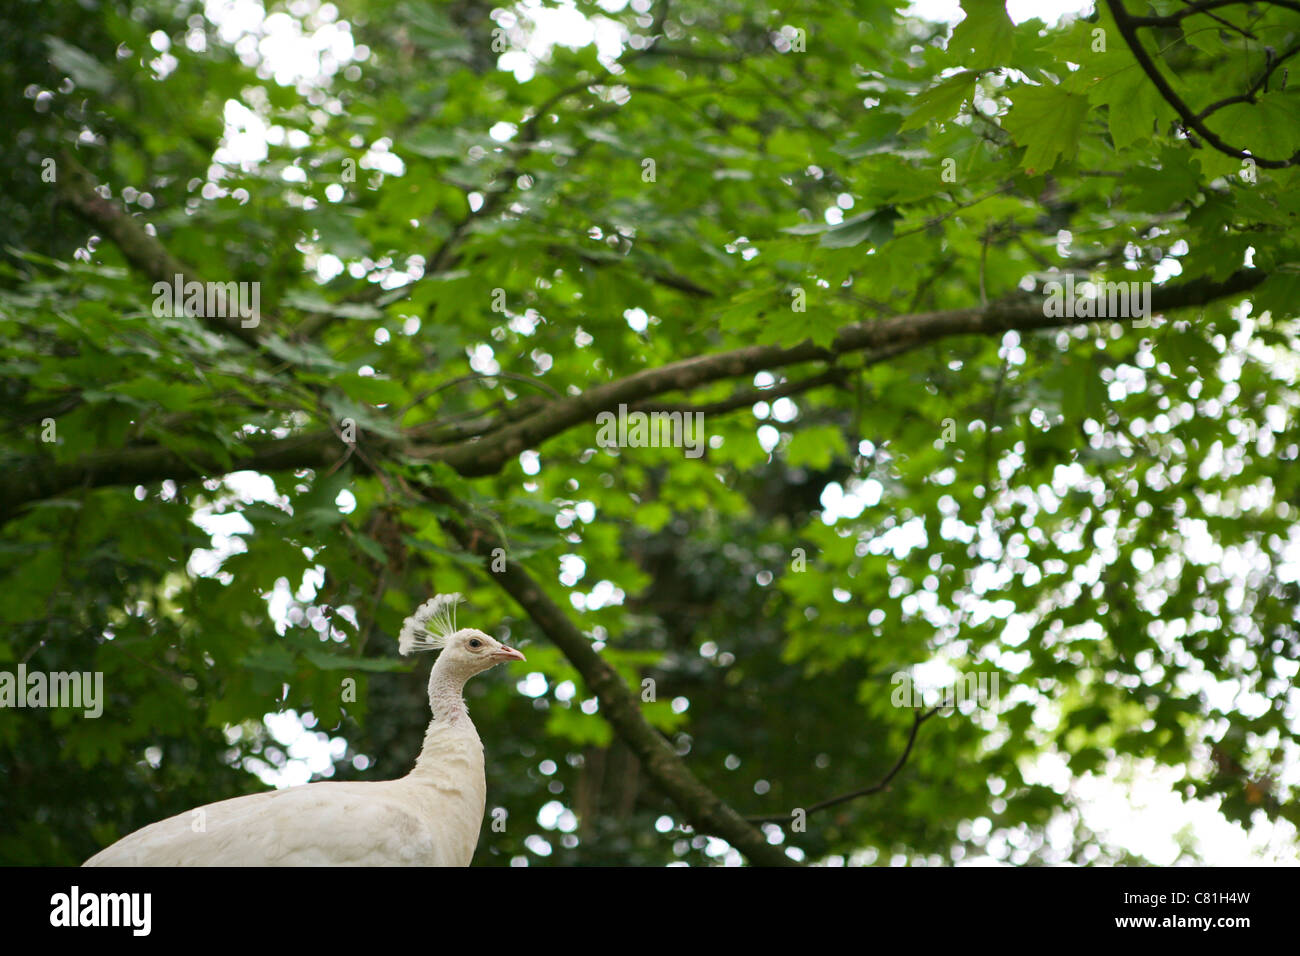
(749, 396)
(37, 478)
(488, 454)
(40, 478)
(143, 251)
(701, 807)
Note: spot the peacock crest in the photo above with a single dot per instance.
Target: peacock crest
(429, 627)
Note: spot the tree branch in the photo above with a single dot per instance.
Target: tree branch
(143, 251)
(38, 478)
(664, 277)
(1173, 19)
(702, 808)
(1249, 95)
(748, 396)
(1128, 30)
(488, 454)
(917, 720)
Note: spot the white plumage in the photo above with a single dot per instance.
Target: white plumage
(430, 817)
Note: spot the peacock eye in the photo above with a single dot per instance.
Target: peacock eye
(476, 643)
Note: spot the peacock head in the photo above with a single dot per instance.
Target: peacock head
(470, 652)
(465, 651)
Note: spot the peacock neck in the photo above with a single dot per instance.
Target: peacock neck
(446, 696)
(451, 740)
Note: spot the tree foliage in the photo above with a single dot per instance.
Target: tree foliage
(830, 228)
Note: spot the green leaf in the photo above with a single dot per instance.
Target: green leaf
(1157, 189)
(369, 388)
(1269, 127)
(1083, 395)
(653, 515)
(275, 658)
(807, 228)
(1280, 293)
(578, 728)
(329, 661)
(85, 70)
(434, 143)
(815, 447)
(875, 227)
(316, 303)
(943, 101)
(1133, 106)
(1047, 121)
(986, 38)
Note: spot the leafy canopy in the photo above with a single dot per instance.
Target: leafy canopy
(457, 235)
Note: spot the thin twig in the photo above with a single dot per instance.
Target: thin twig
(1128, 30)
(917, 721)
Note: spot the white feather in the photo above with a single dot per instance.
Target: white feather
(430, 817)
(429, 627)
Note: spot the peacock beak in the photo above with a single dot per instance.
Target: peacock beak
(508, 654)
